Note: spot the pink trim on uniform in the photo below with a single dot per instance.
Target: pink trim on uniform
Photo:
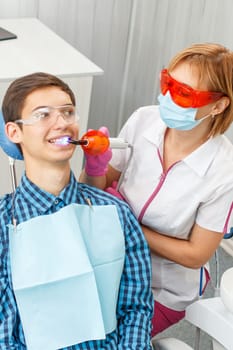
(207, 279)
(157, 189)
(228, 218)
(152, 196)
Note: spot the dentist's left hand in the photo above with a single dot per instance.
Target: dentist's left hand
(98, 165)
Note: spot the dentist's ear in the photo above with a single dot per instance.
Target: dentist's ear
(220, 105)
(13, 132)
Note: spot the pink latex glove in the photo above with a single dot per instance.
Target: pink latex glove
(112, 190)
(98, 165)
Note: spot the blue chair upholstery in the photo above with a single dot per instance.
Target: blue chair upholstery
(8, 147)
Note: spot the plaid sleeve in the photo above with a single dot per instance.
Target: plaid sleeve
(8, 309)
(135, 304)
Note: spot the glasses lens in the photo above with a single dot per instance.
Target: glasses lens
(41, 114)
(182, 95)
(68, 113)
(164, 81)
(46, 115)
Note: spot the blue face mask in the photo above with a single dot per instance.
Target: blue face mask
(177, 117)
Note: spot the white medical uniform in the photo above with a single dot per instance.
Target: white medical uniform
(197, 189)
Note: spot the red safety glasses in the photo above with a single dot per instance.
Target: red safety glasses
(183, 95)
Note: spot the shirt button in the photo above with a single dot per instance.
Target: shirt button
(56, 201)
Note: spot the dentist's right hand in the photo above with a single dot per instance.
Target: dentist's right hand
(97, 165)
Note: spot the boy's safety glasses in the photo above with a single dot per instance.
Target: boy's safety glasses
(183, 95)
(49, 115)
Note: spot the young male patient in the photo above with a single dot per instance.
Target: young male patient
(75, 267)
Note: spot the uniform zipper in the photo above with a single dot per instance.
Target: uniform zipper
(162, 178)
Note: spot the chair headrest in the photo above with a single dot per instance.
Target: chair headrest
(8, 147)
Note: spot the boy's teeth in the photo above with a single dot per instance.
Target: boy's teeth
(61, 140)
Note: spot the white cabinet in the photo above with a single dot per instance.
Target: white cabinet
(38, 49)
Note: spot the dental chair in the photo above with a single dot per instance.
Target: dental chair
(11, 150)
(214, 315)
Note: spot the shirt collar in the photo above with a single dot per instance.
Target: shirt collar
(155, 134)
(199, 160)
(43, 200)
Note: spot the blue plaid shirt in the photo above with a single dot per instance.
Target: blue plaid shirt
(135, 302)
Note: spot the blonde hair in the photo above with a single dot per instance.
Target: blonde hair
(214, 64)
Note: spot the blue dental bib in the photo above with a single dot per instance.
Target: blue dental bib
(66, 269)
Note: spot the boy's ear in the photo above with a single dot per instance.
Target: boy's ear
(13, 132)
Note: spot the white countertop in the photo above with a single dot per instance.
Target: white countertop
(38, 48)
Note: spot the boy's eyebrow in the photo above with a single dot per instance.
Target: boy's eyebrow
(38, 107)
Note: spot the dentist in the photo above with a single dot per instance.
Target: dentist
(179, 181)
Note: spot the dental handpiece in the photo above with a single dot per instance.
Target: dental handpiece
(117, 142)
(95, 142)
(114, 142)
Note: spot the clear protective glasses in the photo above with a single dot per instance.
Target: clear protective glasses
(49, 115)
(183, 95)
